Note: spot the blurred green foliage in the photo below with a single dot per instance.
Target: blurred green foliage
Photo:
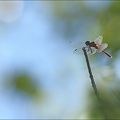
(110, 104)
(110, 26)
(24, 83)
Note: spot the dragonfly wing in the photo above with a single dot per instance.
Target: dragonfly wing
(91, 51)
(75, 44)
(98, 40)
(102, 47)
(77, 51)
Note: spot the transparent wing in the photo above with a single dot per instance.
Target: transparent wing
(98, 40)
(77, 51)
(90, 50)
(76, 44)
(102, 47)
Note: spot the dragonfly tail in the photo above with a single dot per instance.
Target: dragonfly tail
(107, 54)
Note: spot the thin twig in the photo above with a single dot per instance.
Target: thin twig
(93, 82)
(91, 76)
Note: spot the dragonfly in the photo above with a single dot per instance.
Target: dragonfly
(92, 47)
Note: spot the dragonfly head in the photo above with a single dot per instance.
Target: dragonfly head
(87, 43)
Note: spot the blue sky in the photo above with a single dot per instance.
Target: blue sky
(29, 43)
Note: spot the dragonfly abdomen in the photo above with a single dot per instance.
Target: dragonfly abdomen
(107, 54)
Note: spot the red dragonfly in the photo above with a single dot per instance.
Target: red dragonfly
(92, 47)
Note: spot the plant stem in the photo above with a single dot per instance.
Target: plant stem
(91, 76)
(93, 81)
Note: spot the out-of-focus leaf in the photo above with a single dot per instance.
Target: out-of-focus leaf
(26, 84)
(110, 26)
(110, 107)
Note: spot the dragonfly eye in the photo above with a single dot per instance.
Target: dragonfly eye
(87, 42)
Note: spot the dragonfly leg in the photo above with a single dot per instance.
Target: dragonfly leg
(88, 49)
(91, 50)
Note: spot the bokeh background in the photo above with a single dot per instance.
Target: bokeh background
(40, 77)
